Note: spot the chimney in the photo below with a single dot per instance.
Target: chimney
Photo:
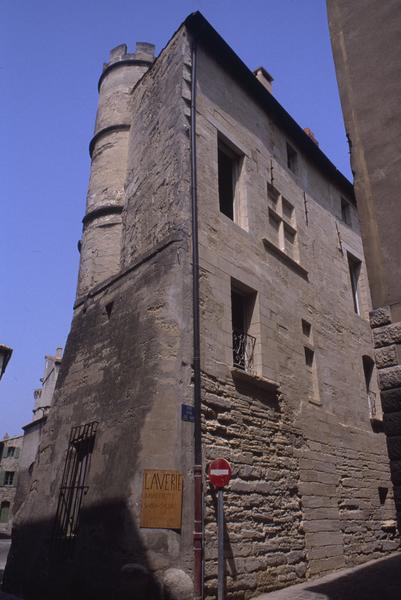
(265, 78)
(311, 135)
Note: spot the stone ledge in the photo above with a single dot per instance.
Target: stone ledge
(290, 262)
(255, 380)
(387, 335)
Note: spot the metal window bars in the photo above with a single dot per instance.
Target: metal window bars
(73, 486)
(243, 350)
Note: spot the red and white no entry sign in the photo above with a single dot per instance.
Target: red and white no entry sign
(219, 472)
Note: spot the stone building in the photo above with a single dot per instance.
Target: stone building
(43, 398)
(366, 40)
(222, 310)
(10, 448)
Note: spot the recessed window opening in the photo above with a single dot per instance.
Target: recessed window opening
(306, 328)
(292, 159)
(309, 357)
(242, 305)
(354, 266)
(10, 451)
(9, 478)
(228, 173)
(4, 511)
(345, 211)
(109, 309)
(383, 491)
(288, 210)
(368, 367)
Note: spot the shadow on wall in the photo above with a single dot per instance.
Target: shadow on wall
(381, 580)
(106, 560)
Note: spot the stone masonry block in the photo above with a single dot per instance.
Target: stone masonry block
(391, 400)
(380, 316)
(386, 357)
(394, 447)
(395, 468)
(392, 423)
(390, 378)
(385, 336)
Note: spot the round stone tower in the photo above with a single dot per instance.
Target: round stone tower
(100, 245)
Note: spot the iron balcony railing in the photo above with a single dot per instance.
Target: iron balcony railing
(243, 350)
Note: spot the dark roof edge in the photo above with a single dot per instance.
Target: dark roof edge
(201, 29)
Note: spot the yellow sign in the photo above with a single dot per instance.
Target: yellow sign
(161, 499)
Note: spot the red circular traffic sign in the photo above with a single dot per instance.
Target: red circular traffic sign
(219, 472)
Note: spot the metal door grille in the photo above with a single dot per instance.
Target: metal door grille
(73, 486)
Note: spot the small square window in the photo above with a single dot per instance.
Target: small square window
(10, 451)
(292, 159)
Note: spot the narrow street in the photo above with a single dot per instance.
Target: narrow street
(375, 580)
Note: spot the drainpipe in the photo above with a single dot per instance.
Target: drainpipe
(198, 504)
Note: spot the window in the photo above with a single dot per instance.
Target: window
(354, 266)
(242, 305)
(345, 211)
(282, 230)
(9, 478)
(310, 362)
(10, 452)
(4, 511)
(368, 366)
(292, 159)
(74, 486)
(228, 174)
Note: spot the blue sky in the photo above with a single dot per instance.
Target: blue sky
(51, 56)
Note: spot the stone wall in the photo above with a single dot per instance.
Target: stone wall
(127, 366)
(313, 465)
(9, 464)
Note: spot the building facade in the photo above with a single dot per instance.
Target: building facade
(222, 311)
(370, 86)
(43, 398)
(10, 448)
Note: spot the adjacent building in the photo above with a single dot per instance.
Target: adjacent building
(10, 448)
(222, 311)
(366, 41)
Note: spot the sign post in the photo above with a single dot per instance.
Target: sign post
(219, 473)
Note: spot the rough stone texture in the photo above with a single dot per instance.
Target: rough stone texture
(380, 316)
(128, 329)
(178, 585)
(304, 499)
(7, 492)
(366, 40)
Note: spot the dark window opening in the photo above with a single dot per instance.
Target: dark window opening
(9, 478)
(73, 486)
(292, 159)
(10, 451)
(306, 328)
(368, 366)
(345, 211)
(109, 309)
(228, 165)
(354, 266)
(383, 491)
(309, 356)
(4, 512)
(243, 343)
